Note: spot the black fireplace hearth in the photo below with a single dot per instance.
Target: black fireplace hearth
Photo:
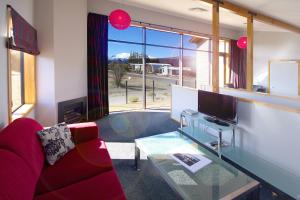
(72, 111)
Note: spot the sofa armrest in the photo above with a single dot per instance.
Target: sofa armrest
(83, 132)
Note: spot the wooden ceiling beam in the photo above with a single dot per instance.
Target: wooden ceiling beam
(245, 12)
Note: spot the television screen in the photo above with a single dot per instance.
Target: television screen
(217, 105)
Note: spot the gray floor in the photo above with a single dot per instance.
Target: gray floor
(119, 131)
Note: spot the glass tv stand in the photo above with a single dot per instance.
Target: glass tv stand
(208, 131)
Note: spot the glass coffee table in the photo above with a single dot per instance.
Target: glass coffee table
(217, 180)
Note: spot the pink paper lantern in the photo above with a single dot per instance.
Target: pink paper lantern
(242, 42)
(120, 19)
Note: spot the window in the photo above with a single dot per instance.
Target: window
(131, 34)
(161, 38)
(196, 43)
(22, 79)
(125, 76)
(224, 63)
(17, 79)
(169, 57)
(162, 70)
(196, 61)
(21, 38)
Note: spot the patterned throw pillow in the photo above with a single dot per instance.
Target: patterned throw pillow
(57, 141)
(66, 135)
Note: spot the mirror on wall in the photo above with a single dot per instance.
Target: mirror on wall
(284, 78)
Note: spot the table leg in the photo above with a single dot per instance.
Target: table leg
(181, 121)
(137, 158)
(220, 143)
(193, 127)
(233, 137)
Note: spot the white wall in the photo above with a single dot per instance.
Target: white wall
(272, 45)
(45, 63)
(138, 14)
(62, 65)
(25, 8)
(268, 132)
(70, 49)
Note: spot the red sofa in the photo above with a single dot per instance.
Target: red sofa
(86, 172)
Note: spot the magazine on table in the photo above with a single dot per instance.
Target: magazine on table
(192, 162)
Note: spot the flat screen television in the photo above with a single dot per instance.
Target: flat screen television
(217, 106)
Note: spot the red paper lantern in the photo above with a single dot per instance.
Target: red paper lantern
(242, 42)
(119, 19)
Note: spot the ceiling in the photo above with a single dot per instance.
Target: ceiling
(285, 10)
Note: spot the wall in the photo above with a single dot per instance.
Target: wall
(272, 45)
(62, 65)
(143, 15)
(45, 63)
(265, 131)
(70, 48)
(25, 8)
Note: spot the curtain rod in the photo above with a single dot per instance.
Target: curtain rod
(176, 30)
(170, 29)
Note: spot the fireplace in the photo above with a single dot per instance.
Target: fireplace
(72, 111)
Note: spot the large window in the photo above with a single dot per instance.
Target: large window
(169, 58)
(22, 80)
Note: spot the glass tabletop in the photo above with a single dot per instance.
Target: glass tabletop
(215, 181)
(280, 178)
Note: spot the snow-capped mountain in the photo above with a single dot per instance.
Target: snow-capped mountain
(120, 56)
(125, 56)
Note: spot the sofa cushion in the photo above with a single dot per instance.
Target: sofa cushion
(85, 161)
(20, 137)
(105, 186)
(17, 180)
(57, 141)
(83, 132)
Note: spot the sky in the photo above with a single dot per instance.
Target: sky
(134, 34)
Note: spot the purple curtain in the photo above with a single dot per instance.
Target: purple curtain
(97, 48)
(24, 35)
(237, 66)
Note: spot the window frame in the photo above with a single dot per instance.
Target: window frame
(28, 79)
(181, 33)
(22, 88)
